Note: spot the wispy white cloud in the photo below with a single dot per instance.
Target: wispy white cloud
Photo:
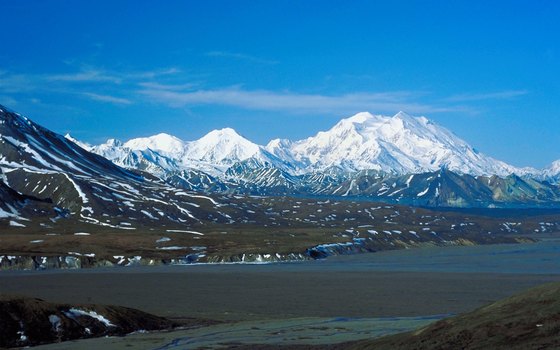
(171, 87)
(267, 100)
(107, 98)
(93, 75)
(498, 95)
(84, 76)
(81, 82)
(15, 82)
(149, 74)
(240, 56)
(168, 86)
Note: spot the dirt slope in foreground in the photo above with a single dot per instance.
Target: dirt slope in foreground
(29, 321)
(530, 320)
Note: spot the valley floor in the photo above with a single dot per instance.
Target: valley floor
(411, 283)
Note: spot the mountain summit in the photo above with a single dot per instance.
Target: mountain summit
(222, 147)
(395, 144)
(398, 144)
(163, 143)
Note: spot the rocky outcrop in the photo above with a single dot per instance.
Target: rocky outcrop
(358, 245)
(29, 321)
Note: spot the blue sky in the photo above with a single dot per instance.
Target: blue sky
(487, 70)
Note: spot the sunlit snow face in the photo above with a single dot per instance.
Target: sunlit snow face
(399, 143)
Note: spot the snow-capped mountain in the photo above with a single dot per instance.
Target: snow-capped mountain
(62, 206)
(46, 174)
(221, 147)
(214, 153)
(282, 148)
(552, 173)
(142, 159)
(363, 155)
(399, 144)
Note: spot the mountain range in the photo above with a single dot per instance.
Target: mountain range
(42, 172)
(238, 202)
(400, 158)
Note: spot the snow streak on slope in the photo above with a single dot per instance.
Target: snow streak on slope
(40, 166)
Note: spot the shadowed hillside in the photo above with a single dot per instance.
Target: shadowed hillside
(530, 320)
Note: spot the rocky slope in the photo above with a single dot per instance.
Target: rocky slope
(27, 322)
(43, 166)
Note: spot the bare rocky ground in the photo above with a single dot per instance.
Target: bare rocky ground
(265, 229)
(29, 321)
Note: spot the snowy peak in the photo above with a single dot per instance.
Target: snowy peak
(403, 121)
(163, 143)
(225, 133)
(107, 149)
(552, 173)
(212, 153)
(358, 121)
(27, 145)
(278, 144)
(397, 144)
(400, 143)
(221, 147)
(84, 145)
(280, 148)
(360, 118)
(226, 137)
(554, 168)
(114, 143)
(405, 117)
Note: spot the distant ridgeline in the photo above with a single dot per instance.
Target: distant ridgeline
(399, 159)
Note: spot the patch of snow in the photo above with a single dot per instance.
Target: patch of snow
(171, 248)
(73, 313)
(55, 323)
(16, 224)
(187, 231)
